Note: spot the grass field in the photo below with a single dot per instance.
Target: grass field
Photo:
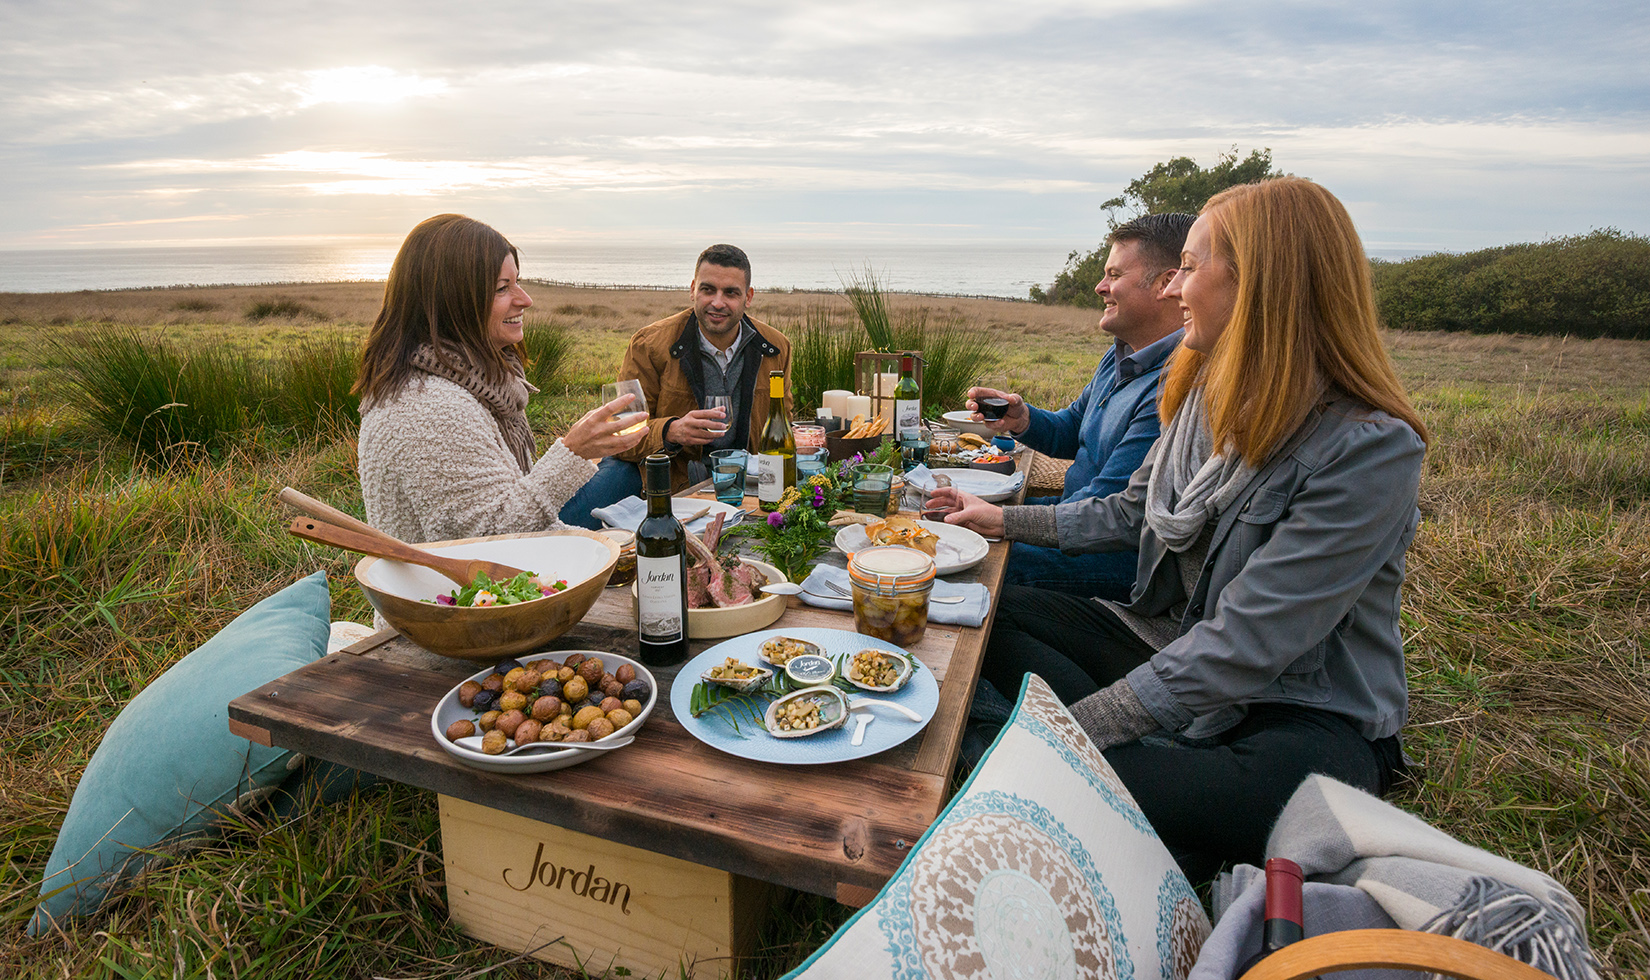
(1526, 617)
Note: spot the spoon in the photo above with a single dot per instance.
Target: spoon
(473, 742)
(859, 729)
(854, 704)
(460, 570)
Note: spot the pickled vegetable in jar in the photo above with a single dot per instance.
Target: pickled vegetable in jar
(891, 587)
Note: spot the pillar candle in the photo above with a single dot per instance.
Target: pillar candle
(856, 405)
(837, 401)
(885, 385)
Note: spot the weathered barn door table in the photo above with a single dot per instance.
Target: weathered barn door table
(660, 855)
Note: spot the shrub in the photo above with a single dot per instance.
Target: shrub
(310, 386)
(195, 305)
(153, 394)
(548, 345)
(263, 309)
(1593, 285)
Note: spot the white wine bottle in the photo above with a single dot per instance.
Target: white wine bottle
(907, 403)
(661, 573)
(776, 450)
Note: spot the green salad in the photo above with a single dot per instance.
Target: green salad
(485, 592)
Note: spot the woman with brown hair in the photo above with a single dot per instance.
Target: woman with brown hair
(1261, 642)
(445, 447)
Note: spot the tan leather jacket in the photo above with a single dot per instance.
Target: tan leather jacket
(655, 357)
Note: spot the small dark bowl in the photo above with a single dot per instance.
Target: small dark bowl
(840, 448)
(1006, 467)
(993, 409)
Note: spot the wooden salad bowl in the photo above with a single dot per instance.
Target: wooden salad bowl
(487, 634)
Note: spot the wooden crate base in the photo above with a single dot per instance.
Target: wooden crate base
(521, 884)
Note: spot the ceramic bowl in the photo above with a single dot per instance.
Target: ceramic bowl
(1005, 467)
(489, 633)
(714, 624)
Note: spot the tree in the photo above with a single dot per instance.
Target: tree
(1173, 185)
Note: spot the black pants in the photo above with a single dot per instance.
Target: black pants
(1212, 802)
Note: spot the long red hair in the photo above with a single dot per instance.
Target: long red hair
(1303, 320)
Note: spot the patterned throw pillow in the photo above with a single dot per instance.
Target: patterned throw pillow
(1042, 867)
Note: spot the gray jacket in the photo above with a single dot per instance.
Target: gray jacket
(1298, 600)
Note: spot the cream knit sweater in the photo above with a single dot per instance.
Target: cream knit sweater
(434, 466)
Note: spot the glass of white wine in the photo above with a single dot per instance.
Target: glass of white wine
(635, 409)
(725, 403)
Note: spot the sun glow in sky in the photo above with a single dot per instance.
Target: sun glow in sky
(1442, 127)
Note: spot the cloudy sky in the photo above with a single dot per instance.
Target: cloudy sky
(1442, 125)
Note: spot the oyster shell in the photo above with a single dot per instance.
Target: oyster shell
(779, 650)
(871, 664)
(812, 710)
(744, 685)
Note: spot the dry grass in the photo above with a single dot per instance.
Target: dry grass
(1526, 614)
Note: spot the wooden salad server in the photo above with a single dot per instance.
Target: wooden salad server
(305, 504)
(380, 545)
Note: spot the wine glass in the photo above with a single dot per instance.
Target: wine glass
(725, 403)
(637, 407)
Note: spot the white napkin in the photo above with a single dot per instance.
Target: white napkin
(976, 482)
(970, 612)
(629, 512)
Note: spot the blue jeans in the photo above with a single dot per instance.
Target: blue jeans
(615, 480)
(1106, 575)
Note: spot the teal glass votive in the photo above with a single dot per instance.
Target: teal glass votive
(810, 462)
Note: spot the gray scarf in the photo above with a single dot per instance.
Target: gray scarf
(1190, 484)
(507, 400)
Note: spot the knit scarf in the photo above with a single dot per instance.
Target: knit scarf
(1190, 483)
(507, 400)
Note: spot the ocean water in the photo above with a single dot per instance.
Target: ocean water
(972, 268)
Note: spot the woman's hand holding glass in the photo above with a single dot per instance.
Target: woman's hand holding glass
(600, 432)
(965, 510)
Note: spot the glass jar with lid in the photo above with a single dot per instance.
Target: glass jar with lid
(891, 586)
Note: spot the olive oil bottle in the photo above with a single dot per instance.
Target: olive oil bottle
(776, 450)
(661, 573)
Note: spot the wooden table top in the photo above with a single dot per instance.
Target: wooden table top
(838, 830)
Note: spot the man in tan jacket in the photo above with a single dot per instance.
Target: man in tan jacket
(712, 348)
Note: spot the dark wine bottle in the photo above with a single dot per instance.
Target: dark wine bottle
(661, 573)
(775, 458)
(907, 403)
(1284, 922)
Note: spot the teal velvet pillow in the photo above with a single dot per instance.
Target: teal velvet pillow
(168, 767)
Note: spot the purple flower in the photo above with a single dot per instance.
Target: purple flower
(819, 496)
(776, 519)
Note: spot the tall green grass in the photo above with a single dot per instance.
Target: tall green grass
(548, 346)
(823, 345)
(168, 400)
(954, 352)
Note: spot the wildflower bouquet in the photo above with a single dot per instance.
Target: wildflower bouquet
(793, 537)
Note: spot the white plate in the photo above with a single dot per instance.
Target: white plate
(921, 694)
(984, 484)
(958, 550)
(448, 710)
(684, 508)
(964, 422)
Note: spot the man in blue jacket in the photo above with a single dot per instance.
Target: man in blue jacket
(1108, 429)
